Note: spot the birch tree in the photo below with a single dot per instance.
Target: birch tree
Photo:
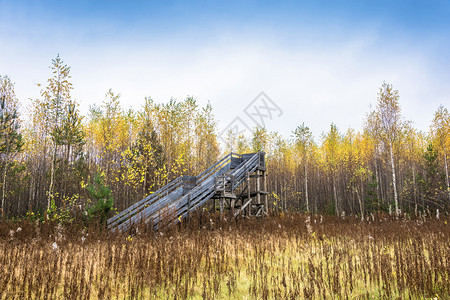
(389, 122)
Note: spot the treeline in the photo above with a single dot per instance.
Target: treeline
(51, 153)
(389, 166)
(57, 151)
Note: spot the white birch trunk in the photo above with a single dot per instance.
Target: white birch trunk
(394, 184)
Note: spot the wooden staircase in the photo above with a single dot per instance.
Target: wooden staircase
(228, 181)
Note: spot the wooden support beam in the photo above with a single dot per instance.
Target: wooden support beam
(232, 203)
(255, 176)
(266, 198)
(249, 210)
(258, 188)
(243, 207)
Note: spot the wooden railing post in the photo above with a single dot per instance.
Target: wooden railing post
(249, 209)
(266, 198)
(258, 187)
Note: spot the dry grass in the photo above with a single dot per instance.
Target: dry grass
(280, 257)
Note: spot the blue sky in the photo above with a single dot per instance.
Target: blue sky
(319, 61)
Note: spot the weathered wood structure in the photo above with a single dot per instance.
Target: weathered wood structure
(235, 185)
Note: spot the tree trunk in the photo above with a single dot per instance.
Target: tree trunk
(394, 184)
(335, 195)
(414, 185)
(306, 189)
(52, 178)
(446, 174)
(361, 199)
(315, 198)
(68, 152)
(145, 183)
(276, 191)
(66, 170)
(4, 185)
(4, 176)
(32, 192)
(361, 207)
(379, 182)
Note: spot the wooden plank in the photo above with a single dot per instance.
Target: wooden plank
(194, 193)
(207, 194)
(207, 172)
(140, 205)
(158, 206)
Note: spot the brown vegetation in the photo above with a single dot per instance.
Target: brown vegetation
(287, 256)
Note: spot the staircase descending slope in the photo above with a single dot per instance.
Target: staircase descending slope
(185, 194)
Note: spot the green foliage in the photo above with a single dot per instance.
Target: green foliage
(64, 214)
(330, 208)
(371, 202)
(303, 138)
(35, 216)
(71, 131)
(102, 198)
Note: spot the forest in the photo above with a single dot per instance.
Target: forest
(354, 214)
(51, 155)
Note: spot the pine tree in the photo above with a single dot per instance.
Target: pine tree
(331, 144)
(303, 142)
(71, 133)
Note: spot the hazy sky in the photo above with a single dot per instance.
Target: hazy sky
(319, 61)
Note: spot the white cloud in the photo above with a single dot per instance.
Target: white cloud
(315, 83)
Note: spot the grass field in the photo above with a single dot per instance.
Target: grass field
(279, 257)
